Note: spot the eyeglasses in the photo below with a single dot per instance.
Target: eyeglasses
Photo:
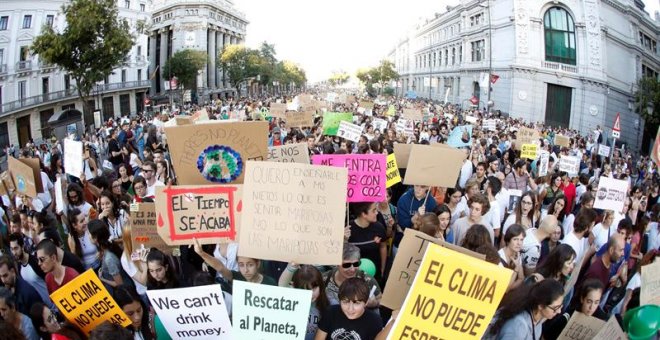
(351, 264)
(52, 318)
(116, 185)
(147, 170)
(527, 202)
(138, 187)
(556, 308)
(42, 259)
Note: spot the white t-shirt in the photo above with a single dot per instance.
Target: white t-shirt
(131, 269)
(30, 276)
(230, 261)
(502, 198)
(134, 160)
(151, 189)
(602, 235)
(493, 215)
(505, 259)
(48, 186)
(531, 249)
(579, 245)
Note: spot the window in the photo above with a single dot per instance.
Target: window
(559, 36)
(476, 20)
(649, 72)
(3, 23)
(27, 21)
(2, 56)
(24, 54)
(4, 136)
(460, 54)
(139, 51)
(143, 8)
(139, 75)
(22, 89)
(478, 50)
(67, 81)
(434, 60)
(49, 20)
(647, 42)
(440, 58)
(127, 4)
(123, 76)
(453, 56)
(446, 57)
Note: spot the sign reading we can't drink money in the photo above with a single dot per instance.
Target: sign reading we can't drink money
(366, 175)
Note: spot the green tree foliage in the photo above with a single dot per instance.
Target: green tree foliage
(240, 63)
(339, 78)
(648, 94)
(381, 75)
(184, 65)
(94, 42)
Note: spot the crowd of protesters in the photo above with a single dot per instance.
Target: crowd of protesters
(543, 234)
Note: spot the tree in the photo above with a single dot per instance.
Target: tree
(381, 75)
(339, 78)
(94, 42)
(184, 65)
(290, 72)
(648, 96)
(240, 63)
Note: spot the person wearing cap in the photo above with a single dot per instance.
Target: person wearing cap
(519, 178)
(276, 137)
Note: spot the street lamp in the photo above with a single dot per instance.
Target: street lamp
(490, 52)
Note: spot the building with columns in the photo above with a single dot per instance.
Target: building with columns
(205, 25)
(572, 63)
(32, 91)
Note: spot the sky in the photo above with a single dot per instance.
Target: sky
(339, 35)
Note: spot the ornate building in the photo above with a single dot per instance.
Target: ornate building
(205, 25)
(572, 63)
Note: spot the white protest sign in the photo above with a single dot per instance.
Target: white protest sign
(611, 194)
(603, 150)
(405, 126)
(195, 312)
(544, 159)
(569, 164)
(331, 97)
(270, 312)
(650, 291)
(73, 157)
(380, 124)
(59, 196)
(490, 125)
(349, 131)
(471, 119)
(289, 153)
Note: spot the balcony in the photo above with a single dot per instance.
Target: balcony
(140, 59)
(25, 103)
(3, 68)
(559, 67)
(24, 65)
(46, 67)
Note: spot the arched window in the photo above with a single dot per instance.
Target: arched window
(559, 36)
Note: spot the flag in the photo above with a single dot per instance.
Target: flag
(153, 74)
(494, 78)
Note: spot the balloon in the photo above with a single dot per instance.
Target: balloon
(642, 322)
(368, 266)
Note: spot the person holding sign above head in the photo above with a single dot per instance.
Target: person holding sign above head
(369, 235)
(350, 319)
(349, 269)
(415, 200)
(10, 315)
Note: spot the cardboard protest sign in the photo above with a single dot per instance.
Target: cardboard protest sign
(366, 175)
(216, 152)
(412, 114)
(331, 121)
(289, 153)
(195, 312)
(603, 150)
(277, 110)
(405, 126)
(143, 228)
(460, 136)
(23, 177)
(391, 111)
(379, 124)
(35, 165)
(86, 303)
(611, 331)
(270, 312)
(200, 115)
(367, 105)
(305, 99)
(392, 174)
(349, 131)
(406, 263)
(581, 327)
(402, 154)
(529, 151)
(208, 213)
(489, 124)
(572, 280)
(434, 166)
(543, 163)
(611, 194)
(448, 284)
(300, 119)
(73, 157)
(293, 212)
(569, 164)
(7, 184)
(526, 136)
(650, 291)
(562, 141)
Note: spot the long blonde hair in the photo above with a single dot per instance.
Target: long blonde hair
(126, 238)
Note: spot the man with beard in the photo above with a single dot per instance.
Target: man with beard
(28, 268)
(600, 268)
(25, 294)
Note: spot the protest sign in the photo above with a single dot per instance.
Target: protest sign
(391, 111)
(581, 327)
(380, 124)
(23, 177)
(331, 121)
(529, 151)
(216, 152)
(543, 163)
(209, 213)
(367, 105)
(611, 194)
(34, 164)
(289, 153)
(195, 312)
(392, 174)
(569, 164)
(611, 331)
(405, 126)
(650, 291)
(7, 184)
(514, 197)
(293, 212)
(603, 150)
(73, 157)
(406, 263)
(490, 124)
(460, 136)
(526, 136)
(412, 114)
(305, 99)
(277, 110)
(86, 303)
(200, 115)
(448, 284)
(402, 154)
(572, 280)
(59, 195)
(300, 119)
(270, 312)
(434, 166)
(349, 131)
(562, 141)
(143, 228)
(366, 175)
(471, 119)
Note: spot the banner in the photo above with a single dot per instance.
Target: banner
(406, 263)
(195, 312)
(380, 124)
(366, 175)
(460, 136)
(349, 131)
(603, 150)
(293, 212)
(270, 312)
(86, 303)
(448, 285)
(569, 164)
(216, 152)
(471, 119)
(544, 160)
(73, 157)
(392, 174)
(289, 153)
(300, 119)
(650, 291)
(489, 124)
(611, 194)
(529, 151)
(412, 114)
(331, 121)
(208, 213)
(144, 232)
(434, 166)
(367, 105)
(581, 327)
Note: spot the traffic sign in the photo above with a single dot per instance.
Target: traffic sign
(616, 129)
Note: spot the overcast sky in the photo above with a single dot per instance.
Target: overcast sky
(326, 36)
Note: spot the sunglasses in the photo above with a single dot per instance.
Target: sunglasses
(351, 264)
(556, 308)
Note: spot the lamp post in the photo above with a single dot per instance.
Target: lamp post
(490, 52)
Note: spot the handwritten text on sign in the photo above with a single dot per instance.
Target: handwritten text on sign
(289, 153)
(208, 213)
(293, 212)
(143, 228)
(349, 131)
(393, 175)
(366, 175)
(86, 303)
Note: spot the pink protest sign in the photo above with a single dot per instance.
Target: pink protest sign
(366, 175)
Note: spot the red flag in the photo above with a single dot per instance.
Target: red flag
(474, 100)
(494, 78)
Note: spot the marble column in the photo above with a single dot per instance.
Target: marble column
(152, 62)
(218, 50)
(211, 63)
(226, 43)
(163, 56)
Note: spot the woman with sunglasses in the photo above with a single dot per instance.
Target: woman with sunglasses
(349, 268)
(524, 309)
(48, 327)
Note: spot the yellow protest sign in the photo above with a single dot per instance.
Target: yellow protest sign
(391, 111)
(86, 303)
(392, 172)
(454, 296)
(529, 151)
